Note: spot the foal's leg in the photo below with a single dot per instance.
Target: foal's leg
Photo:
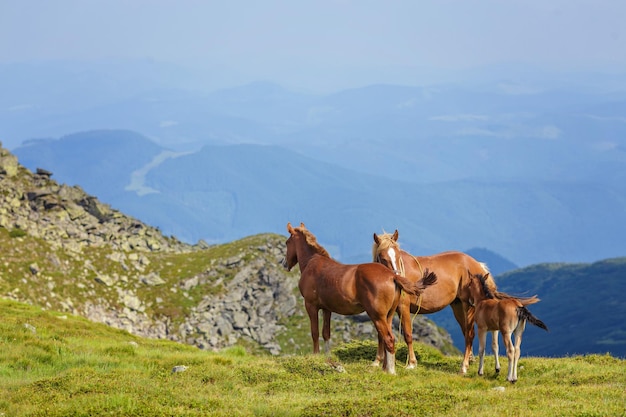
(518, 344)
(482, 341)
(495, 348)
(326, 330)
(510, 353)
(313, 313)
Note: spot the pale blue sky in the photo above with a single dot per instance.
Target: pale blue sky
(304, 42)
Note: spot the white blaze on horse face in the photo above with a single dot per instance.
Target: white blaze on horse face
(392, 255)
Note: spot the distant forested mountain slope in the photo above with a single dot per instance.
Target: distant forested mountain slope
(582, 304)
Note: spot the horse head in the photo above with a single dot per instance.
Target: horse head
(479, 288)
(291, 257)
(386, 251)
(301, 246)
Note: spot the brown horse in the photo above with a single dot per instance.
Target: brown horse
(453, 271)
(509, 316)
(333, 287)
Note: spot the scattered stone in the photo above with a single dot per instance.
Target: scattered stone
(43, 172)
(179, 368)
(30, 328)
(152, 279)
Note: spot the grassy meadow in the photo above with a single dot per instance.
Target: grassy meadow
(52, 364)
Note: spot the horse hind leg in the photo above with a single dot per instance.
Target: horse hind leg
(510, 354)
(495, 348)
(518, 346)
(380, 352)
(386, 335)
(326, 330)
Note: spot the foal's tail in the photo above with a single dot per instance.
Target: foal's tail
(524, 314)
(526, 301)
(416, 288)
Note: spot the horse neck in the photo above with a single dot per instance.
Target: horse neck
(477, 292)
(411, 262)
(305, 253)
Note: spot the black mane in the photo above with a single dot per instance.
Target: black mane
(483, 282)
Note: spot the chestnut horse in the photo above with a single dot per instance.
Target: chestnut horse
(509, 316)
(453, 271)
(333, 287)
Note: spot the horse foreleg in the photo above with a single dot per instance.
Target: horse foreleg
(326, 330)
(482, 341)
(464, 315)
(495, 348)
(404, 311)
(313, 313)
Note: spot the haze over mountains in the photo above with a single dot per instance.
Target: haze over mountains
(532, 173)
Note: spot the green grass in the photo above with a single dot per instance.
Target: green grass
(57, 365)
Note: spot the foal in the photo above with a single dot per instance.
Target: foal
(507, 315)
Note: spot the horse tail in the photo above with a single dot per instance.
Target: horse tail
(524, 314)
(415, 288)
(524, 300)
(491, 289)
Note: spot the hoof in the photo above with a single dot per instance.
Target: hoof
(497, 370)
(410, 366)
(513, 381)
(376, 363)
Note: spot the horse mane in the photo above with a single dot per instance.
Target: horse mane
(488, 283)
(386, 242)
(489, 287)
(311, 240)
(483, 279)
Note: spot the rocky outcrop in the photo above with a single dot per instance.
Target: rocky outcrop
(67, 216)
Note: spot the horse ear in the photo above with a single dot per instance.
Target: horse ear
(376, 239)
(395, 235)
(302, 225)
(289, 228)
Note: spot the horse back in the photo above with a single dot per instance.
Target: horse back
(343, 288)
(451, 268)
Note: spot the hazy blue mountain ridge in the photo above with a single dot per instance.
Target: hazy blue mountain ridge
(531, 167)
(222, 193)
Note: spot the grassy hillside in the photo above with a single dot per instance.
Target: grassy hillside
(52, 364)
